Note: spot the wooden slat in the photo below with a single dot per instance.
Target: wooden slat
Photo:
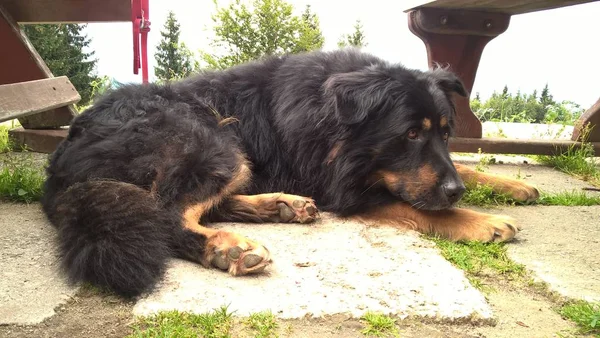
(511, 146)
(40, 141)
(68, 11)
(20, 62)
(512, 7)
(27, 98)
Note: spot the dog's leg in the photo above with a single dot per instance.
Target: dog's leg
(455, 224)
(516, 189)
(218, 248)
(273, 207)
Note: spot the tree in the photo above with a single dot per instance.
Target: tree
(267, 27)
(61, 46)
(356, 39)
(174, 60)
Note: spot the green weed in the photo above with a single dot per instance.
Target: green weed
(21, 180)
(263, 323)
(215, 324)
(586, 315)
(379, 325)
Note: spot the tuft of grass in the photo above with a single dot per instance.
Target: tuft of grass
(263, 323)
(379, 325)
(586, 315)
(577, 161)
(479, 259)
(21, 180)
(568, 198)
(484, 196)
(5, 144)
(215, 324)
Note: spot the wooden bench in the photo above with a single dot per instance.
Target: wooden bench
(455, 32)
(29, 92)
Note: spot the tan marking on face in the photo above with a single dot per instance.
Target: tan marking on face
(415, 183)
(443, 121)
(426, 124)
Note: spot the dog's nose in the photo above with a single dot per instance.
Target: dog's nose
(454, 191)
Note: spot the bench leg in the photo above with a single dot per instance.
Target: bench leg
(456, 38)
(590, 118)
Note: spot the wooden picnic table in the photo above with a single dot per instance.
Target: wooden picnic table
(455, 32)
(29, 92)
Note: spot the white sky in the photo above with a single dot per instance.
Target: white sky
(559, 47)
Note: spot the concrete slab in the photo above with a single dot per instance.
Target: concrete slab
(332, 267)
(561, 245)
(30, 287)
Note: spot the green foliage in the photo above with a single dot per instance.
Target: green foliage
(578, 160)
(21, 180)
(267, 27)
(356, 39)
(379, 325)
(174, 60)
(215, 324)
(5, 145)
(263, 323)
(586, 315)
(61, 46)
(506, 107)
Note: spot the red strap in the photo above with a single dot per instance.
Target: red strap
(140, 14)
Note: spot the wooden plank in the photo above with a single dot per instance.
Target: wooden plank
(511, 146)
(68, 11)
(41, 141)
(19, 62)
(27, 98)
(512, 7)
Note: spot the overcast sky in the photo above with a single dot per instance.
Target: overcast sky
(559, 47)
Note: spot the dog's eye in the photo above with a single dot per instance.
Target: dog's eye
(413, 134)
(446, 135)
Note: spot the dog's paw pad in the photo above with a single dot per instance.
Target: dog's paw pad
(297, 209)
(236, 254)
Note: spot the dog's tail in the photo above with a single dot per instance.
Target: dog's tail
(112, 234)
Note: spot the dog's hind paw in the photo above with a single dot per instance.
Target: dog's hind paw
(236, 254)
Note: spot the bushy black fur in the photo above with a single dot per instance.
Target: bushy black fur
(117, 184)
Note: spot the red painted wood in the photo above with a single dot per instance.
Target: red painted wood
(449, 36)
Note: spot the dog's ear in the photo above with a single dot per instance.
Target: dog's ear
(357, 94)
(449, 82)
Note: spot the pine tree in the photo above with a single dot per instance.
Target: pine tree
(173, 59)
(266, 27)
(356, 39)
(62, 46)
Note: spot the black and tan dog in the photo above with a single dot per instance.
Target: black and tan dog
(147, 167)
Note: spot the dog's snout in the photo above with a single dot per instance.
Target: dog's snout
(454, 191)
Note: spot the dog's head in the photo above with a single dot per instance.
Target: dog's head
(403, 118)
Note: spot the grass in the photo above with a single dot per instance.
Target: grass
(477, 258)
(21, 180)
(263, 324)
(215, 324)
(379, 325)
(586, 315)
(5, 145)
(484, 196)
(576, 161)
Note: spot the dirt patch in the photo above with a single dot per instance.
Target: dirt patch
(88, 314)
